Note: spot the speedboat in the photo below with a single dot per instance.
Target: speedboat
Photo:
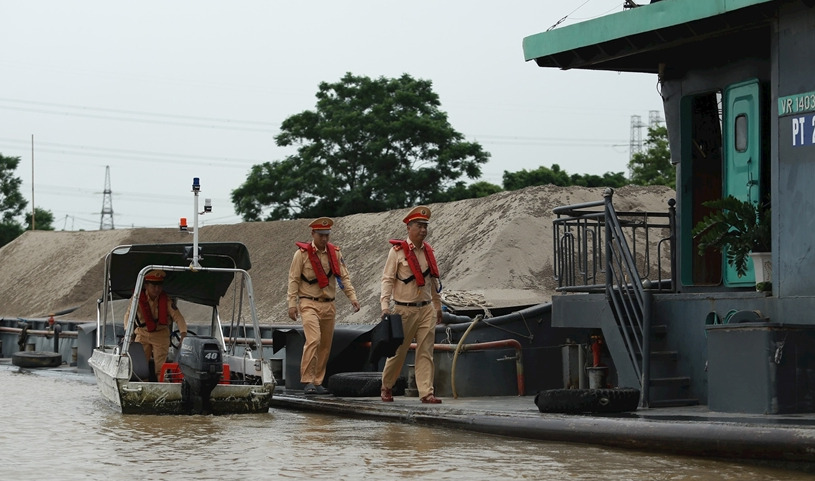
(218, 368)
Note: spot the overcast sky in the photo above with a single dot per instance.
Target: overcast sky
(164, 91)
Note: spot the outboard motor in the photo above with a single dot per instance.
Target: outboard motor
(202, 366)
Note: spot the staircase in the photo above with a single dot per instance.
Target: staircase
(667, 386)
(594, 246)
(658, 377)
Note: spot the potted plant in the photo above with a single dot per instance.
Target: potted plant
(738, 228)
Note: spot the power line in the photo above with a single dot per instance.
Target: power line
(134, 116)
(88, 151)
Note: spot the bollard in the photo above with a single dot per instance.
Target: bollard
(73, 356)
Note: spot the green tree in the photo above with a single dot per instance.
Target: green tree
(370, 145)
(540, 176)
(43, 220)
(556, 176)
(12, 205)
(653, 167)
(12, 202)
(460, 191)
(609, 179)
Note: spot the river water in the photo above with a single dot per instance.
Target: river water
(60, 428)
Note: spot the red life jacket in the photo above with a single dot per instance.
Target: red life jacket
(413, 262)
(333, 263)
(147, 316)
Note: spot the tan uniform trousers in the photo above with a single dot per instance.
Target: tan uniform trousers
(156, 343)
(318, 327)
(418, 322)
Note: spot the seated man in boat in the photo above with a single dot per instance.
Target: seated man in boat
(154, 317)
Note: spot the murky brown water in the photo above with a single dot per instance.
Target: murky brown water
(53, 428)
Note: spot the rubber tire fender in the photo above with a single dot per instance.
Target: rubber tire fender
(36, 359)
(574, 401)
(362, 384)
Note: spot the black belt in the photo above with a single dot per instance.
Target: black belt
(318, 299)
(412, 304)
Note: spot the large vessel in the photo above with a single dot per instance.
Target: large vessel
(736, 82)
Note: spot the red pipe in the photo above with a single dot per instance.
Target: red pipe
(596, 348)
(480, 346)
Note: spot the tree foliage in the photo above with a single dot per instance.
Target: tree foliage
(13, 204)
(556, 176)
(43, 220)
(653, 167)
(461, 191)
(12, 201)
(370, 145)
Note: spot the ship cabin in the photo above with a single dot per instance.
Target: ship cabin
(737, 83)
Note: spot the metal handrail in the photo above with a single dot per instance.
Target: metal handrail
(597, 251)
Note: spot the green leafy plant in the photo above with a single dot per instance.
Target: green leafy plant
(736, 227)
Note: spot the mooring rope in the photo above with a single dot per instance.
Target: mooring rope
(467, 299)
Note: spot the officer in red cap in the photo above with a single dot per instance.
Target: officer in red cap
(316, 271)
(411, 281)
(155, 313)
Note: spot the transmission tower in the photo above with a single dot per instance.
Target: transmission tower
(635, 143)
(106, 220)
(654, 119)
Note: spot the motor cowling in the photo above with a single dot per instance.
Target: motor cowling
(201, 364)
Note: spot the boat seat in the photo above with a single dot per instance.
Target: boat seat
(138, 362)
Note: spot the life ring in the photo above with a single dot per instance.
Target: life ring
(362, 384)
(36, 359)
(574, 401)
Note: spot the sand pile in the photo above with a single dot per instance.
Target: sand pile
(496, 249)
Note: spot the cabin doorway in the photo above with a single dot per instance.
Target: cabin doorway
(722, 155)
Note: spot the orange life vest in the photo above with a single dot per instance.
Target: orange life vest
(147, 315)
(333, 263)
(413, 262)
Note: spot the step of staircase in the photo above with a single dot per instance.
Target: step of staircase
(682, 381)
(667, 403)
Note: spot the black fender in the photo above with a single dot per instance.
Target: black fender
(362, 384)
(573, 401)
(36, 359)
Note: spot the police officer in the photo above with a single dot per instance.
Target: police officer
(411, 281)
(155, 313)
(316, 270)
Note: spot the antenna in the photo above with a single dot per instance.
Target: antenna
(195, 255)
(106, 219)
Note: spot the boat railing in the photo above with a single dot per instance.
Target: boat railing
(593, 245)
(579, 257)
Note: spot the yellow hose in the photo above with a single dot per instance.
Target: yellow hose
(455, 356)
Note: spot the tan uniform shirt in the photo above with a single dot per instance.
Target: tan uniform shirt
(301, 266)
(396, 268)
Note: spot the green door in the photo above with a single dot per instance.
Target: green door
(742, 157)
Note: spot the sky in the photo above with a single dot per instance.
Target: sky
(156, 93)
